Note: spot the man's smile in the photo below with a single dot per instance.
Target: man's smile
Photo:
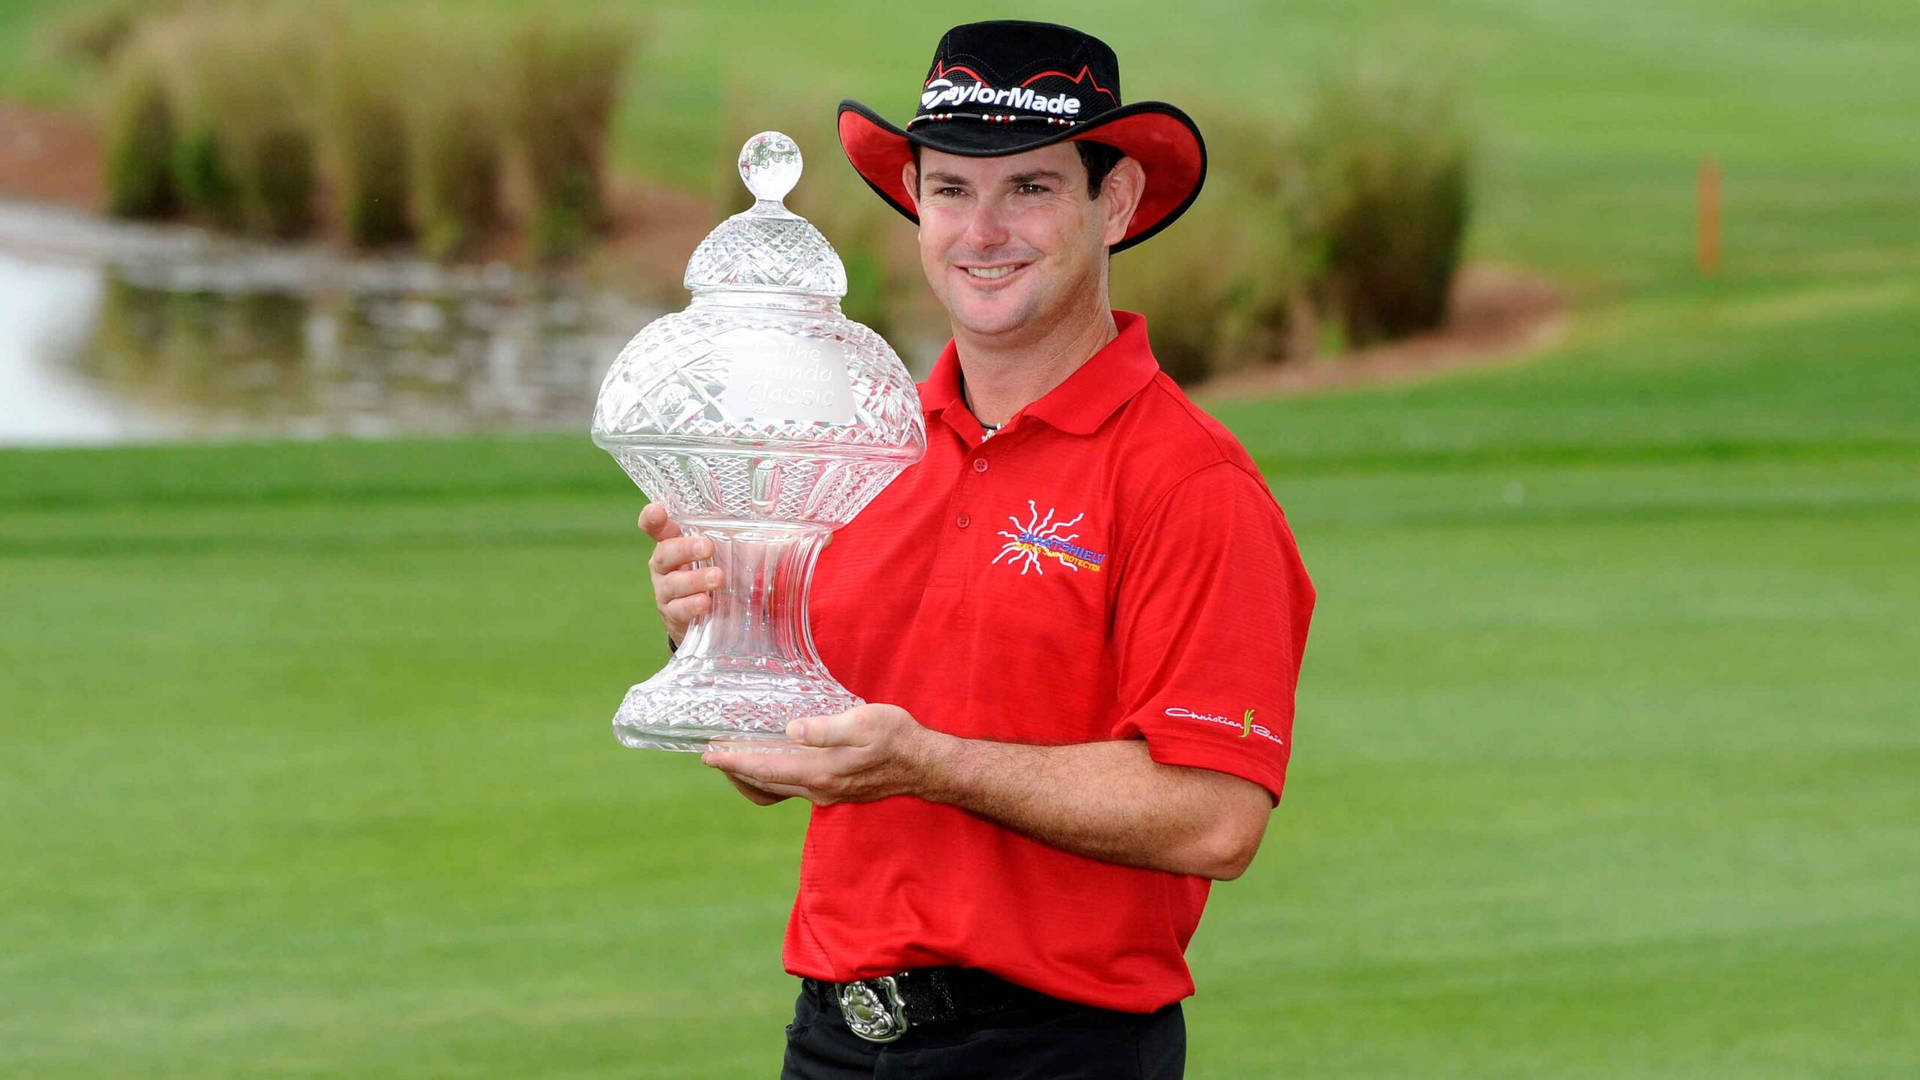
(993, 273)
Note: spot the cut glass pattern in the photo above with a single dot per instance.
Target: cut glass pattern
(762, 418)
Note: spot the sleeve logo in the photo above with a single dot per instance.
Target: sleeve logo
(1245, 724)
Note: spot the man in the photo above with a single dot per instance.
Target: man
(1079, 618)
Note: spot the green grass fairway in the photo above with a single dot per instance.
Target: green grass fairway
(1606, 762)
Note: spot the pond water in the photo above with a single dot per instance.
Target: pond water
(112, 332)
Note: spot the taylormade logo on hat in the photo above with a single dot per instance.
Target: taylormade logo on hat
(944, 93)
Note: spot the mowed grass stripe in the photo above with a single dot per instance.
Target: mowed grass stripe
(1514, 490)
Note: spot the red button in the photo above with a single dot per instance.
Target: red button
(963, 521)
(979, 464)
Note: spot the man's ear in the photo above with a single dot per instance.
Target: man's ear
(1123, 190)
(910, 178)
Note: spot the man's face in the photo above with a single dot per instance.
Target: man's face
(1011, 245)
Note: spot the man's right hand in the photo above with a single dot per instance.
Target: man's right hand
(682, 591)
(759, 795)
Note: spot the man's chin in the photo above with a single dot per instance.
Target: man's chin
(991, 323)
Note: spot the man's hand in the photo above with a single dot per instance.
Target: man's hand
(866, 753)
(682, 590)
(756, 795)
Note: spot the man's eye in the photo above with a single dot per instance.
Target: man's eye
(947, 192)
(1032, 189)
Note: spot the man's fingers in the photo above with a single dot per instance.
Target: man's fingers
(688, 608)
(791, 791)
(840, 729)
(675, 552)
(760, 796)
(788, 774)
(721, 752)
(685, 583)
(655, 522)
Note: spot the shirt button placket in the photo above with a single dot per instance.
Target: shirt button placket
(979, 466)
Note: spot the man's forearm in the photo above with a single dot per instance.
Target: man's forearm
(1105, 800)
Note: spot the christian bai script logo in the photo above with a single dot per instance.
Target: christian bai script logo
(1039, 537)
(1245, 723)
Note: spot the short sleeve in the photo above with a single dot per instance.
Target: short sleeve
(1210, 624)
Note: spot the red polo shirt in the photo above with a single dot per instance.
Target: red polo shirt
(1110, 565)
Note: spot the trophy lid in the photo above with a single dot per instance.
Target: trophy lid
(768, 247)
(763, 367)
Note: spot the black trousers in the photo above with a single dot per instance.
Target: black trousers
(1056, 1041)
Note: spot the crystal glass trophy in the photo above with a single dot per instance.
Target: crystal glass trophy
(761, 418)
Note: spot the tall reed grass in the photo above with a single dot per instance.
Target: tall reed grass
(97, 31)
(1349, 219)
(139, 131)
(565, 74)
(1389, 160)
(412, 127)
(1219, 286)
(244, 155)
(457, 144)
(366, 69)
(202, 159)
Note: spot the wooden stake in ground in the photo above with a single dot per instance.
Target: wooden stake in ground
(1707, 246)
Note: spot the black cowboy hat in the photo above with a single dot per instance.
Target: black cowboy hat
(998, 88)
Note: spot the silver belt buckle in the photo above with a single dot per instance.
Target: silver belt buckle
(873, 1009)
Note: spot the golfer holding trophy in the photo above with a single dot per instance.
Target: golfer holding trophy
(1039, 688)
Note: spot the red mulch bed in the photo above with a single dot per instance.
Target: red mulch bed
(50, 156)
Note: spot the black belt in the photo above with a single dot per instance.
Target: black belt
(882, 1009)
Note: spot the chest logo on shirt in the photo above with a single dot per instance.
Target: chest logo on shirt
(1043, 537)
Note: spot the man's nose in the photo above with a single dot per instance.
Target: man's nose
(986, 226)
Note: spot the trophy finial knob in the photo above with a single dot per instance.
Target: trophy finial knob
(770, 165)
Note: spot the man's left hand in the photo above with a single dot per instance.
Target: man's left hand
(866, 753)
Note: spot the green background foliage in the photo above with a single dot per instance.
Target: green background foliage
(1606, 760)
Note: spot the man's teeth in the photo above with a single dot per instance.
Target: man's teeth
(991, 271)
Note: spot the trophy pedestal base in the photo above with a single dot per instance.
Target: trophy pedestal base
(690, 706)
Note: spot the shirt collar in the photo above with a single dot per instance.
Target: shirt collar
(1108, 379)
